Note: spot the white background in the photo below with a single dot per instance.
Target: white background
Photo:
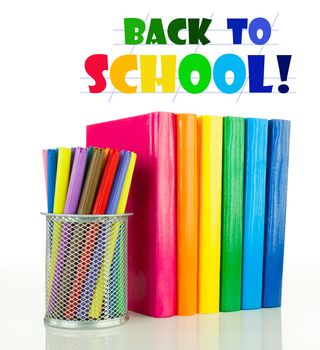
(43, 49)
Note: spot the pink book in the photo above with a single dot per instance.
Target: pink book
(152, 199)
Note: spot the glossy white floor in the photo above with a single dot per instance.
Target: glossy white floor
(294, 326)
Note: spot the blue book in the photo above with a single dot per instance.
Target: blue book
(276, 200)
(254, 212)
(52, 158)
(100, 248)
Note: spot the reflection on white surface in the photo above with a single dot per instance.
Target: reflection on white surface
(248, 330)
(59, 339)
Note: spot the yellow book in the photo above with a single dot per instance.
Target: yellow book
(61, 188)
(96, 305)
(210, 184)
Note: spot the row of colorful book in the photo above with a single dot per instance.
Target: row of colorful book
(209, 203)
(83, 181)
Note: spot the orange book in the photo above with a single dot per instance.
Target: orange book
(187, 223)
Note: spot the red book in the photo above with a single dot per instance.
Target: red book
(152, 229)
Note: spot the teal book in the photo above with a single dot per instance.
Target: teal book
(254, 211)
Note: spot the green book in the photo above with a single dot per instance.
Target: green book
(232, 213)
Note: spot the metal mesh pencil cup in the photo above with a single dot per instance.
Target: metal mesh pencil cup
(86, 270)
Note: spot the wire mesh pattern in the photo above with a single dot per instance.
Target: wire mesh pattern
(86, 268)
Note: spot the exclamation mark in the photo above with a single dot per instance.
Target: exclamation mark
(284, 64)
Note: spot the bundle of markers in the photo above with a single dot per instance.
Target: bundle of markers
(82, 181)
(87, 180)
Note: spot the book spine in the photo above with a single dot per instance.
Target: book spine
(254, 211)
(164, 230)
(210, 183)
(187, 214)
(276, 200)
(232, 213)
